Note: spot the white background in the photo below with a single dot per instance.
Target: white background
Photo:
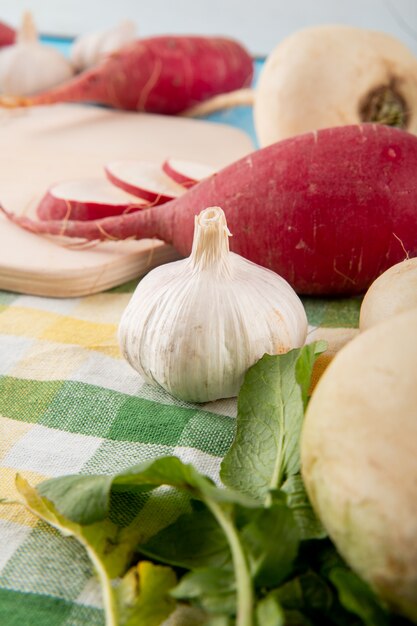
(260, 24)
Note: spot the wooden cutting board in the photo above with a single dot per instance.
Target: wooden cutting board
(44, 145)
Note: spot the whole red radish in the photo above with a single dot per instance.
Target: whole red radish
(165, 74)
(7, 35)
(328, 210)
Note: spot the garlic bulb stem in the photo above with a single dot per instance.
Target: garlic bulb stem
(27, 32)
(211, 241)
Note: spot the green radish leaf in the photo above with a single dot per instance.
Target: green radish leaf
(307, 592)
(265, 451)
(85, 499)
(271, 541)
(269, 612)
(186, 615)
(218, 620)
(143, 596)
(212, 588)
(109, 547)
(304, 366)
(63, 494)
(324, 557)
(194, 540)
(81, 499)
(296, 618)
(201, 580)
(356, 597)
(308, 524)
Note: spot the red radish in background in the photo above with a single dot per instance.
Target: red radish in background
(328, 210)
(187, 173)
(7, 35)
(88, 199)
(165, 74)
(143, 179)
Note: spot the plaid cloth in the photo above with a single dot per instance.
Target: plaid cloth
(70, 404)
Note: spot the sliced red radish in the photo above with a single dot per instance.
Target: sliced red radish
(144, 180)
(86, 199)
(187, 173)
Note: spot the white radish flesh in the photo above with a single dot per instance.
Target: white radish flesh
(86, 199)
(143, 179)
(187, 173)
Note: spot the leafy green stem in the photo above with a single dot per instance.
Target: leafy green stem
(245, 594)
(40, 507)
(109, 600)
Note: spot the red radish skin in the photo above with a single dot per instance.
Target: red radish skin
(7, 35)
(88, 199)
(166, 74)
(187, 173)
(143, 179)
(329, 210)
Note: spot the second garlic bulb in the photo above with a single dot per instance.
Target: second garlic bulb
(195, 326)
(87, 50)
(29, 66)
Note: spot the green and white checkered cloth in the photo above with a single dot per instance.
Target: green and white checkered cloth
(70, 404)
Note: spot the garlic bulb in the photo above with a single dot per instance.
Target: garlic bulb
(88, 50)
(195, 326)
(29, 66)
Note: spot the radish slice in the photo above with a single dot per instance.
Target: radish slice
(144, 180)
(86, 199)
(187, 173)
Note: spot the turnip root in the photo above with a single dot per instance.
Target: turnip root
(393, 292)
(329, 211)
(326, 76)
(187, 173)
(166, 74)
(143, 179)
(7, 35)
(87, 199)
(359, 461)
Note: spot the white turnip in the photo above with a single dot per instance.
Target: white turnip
(359, 461)
(326, 76)
(393, 292)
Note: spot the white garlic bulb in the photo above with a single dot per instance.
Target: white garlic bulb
(88, 50)
(195, 326)
(28, 66)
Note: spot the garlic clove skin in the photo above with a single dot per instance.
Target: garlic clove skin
(195, 326)
(88, 50)
(29, 66)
